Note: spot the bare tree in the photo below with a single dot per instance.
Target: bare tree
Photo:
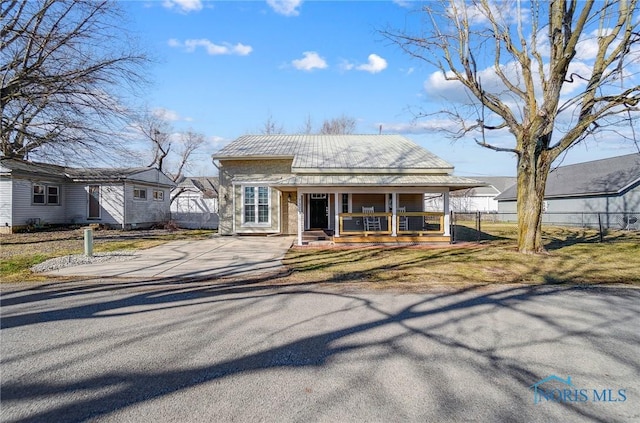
(546, 98)
(271, 127)
(307, 127)
(190, 142)
(342, 125)
(157, 132)
(66, 67)
(171, 152)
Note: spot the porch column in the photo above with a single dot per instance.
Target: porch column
(300, 216)
(445, 198)
(338, 207)
(394, 210)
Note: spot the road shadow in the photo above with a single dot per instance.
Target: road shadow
(426, 317)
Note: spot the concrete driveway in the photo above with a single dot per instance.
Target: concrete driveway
(228, 351)
(217, 257)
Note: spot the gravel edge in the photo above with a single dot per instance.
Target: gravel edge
(80, 259)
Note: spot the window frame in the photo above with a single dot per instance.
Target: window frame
(158, 195)
(45, 194)
(56, 195)
(136, 193)
(255, 206)
(348, 204)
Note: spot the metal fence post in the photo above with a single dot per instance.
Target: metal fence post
(88, 242)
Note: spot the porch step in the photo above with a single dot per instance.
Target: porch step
(317, 237)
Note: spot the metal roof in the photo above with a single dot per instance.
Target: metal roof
(75, 174)
(338, 153)
(610, 176)
(454, 182)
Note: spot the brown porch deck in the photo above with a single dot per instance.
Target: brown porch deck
(388, 239)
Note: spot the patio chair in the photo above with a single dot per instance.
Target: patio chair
(403, 221)
(371, 223)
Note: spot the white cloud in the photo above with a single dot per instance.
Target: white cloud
(166, 114)
(211, 48)
(183, 6)
(310, 61)
(376, 64)
(403, 3)
(285, 7)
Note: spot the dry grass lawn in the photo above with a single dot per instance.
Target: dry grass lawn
(574, 256)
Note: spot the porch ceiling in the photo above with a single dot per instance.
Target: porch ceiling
(425, 181)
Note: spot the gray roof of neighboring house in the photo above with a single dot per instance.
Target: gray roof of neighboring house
(8, 165)
(75, 174)
(207, 185)
(610, 176)
(495, 185)
(338, 153)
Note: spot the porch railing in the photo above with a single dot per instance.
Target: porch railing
(407, 223)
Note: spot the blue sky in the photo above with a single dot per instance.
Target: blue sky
(224, 68)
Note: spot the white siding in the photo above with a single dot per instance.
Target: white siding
(76, 204)
(24, 209)
(148, 211)
(190, 210)
(6, 193)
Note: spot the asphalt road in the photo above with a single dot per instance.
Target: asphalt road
(154, 351)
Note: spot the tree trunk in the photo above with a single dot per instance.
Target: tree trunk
(533, 169)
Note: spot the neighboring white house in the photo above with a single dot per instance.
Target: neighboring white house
(581, 193)
(479, 199)
(39, 193)
(195, 205)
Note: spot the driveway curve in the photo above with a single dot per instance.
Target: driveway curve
(218, 257)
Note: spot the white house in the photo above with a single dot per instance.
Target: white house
(40, 194)
(194, 203)
(478, 199)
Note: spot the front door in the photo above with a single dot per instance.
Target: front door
(94, 202)
(319, 211)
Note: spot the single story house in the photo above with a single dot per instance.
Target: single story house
(38, 193)
(478, 199)
(354, 188)
(194, 202)
(580, 194)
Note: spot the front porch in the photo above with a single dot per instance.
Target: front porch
(367, 217)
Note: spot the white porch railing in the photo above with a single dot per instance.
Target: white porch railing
(407, 223)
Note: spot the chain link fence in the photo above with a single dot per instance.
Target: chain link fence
(479, 226)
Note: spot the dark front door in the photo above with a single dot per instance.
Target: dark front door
(319, 210)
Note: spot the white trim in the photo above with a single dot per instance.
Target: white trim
(300, 224)
(368, 190)
(337, 210)
(139, 189)
(447, 220)
(256, 203)
(394, 210)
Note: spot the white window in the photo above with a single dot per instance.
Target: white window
(38, 194)
(46, 194)
(53, 195)
(346, 203)
(158, 195)
(140, 193)
(256, 204)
